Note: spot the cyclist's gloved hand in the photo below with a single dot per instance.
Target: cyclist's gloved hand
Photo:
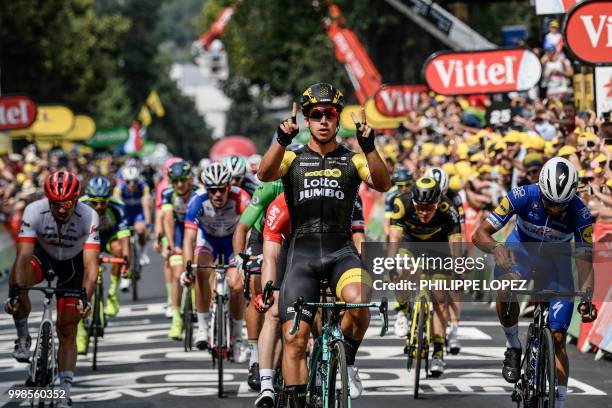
(288, 129)
(365, 135)
(504, 257)
(237, 262)
(84, 305)
(584, 312)
(185, 279)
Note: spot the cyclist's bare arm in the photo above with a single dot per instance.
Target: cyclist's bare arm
(188, 240)
(270, 166)
(146, 209)
(239, 237)
(379, 178)
(25, 250)
(90, 262)
(483, 237)
(358, 239)
(158, 230)
(271, 252)
(168, 226)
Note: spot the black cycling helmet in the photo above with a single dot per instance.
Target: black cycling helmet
(179, 170)
(99, 187)
(401, 176)
(426, 191)
(321, 93)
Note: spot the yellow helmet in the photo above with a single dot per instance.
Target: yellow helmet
(321, 93)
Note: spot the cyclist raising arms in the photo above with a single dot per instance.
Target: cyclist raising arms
(174, 206)
(57, 233)
(211, 217)
(114, 239)
(549, 211)
(321, 181)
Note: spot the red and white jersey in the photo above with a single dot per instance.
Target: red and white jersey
(218, 222)
(63, 241)
(278, 225)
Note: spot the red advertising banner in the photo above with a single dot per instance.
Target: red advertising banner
(588, 32)
(398, 100)
(16, 112)
(489, 71)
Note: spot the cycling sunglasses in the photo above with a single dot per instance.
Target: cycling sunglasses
(66, 205)
(180, 179)
(425, 207)
(98, 200)
(318, 113)
(215, 190)
(132, 182)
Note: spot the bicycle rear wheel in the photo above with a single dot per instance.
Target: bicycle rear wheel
(188, 321)
(547, 371)
(313, 394)
(420, 338)
(337, 379)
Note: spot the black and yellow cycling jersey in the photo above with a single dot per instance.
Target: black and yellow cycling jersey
(321, 190)
(444, 224)
(457, 201)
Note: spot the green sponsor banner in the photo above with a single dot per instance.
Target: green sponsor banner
(108, 137)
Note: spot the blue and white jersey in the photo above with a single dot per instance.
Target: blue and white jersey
(217, 222)
(534, 224)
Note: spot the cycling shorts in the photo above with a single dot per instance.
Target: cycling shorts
(206, 243)
(255, 244)
(548, 272)
(134, 215)
(69, 273)
(337, 261)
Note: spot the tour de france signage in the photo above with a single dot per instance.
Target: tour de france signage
(16, 112)
(588, 32)
(487, 71)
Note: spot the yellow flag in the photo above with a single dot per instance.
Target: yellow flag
(145, 116)
(155, 104)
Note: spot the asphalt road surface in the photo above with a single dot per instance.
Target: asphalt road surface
(140, 367)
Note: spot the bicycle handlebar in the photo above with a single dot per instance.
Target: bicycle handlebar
(111, 260)
(249, 270)
(382, 306)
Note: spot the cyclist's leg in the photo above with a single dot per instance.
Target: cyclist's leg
(439, 323)
(254, 319)
(205, 255)
(177, 266)
(301, 279)
(33, 275)
(352, 283)
(141, 229)
(69, 276)
(269, 336)
(115, 247)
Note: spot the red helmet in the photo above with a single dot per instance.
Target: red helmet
(62, 186)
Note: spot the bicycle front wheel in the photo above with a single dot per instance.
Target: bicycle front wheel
(188, 321)
(420, 339)
(547, 371)
(220, 342)
(96, 322)
(337, 379)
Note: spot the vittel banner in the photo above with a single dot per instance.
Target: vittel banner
(489, 71)
(588, 32)
(16, 112)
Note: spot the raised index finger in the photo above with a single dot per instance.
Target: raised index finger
(294, 112)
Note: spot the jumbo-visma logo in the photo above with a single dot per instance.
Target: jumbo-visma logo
(324, 173)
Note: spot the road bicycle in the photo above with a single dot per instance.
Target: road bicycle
(136, 266)
(43, 370)
(419, 340)
(220, 344)
(97, 322)
(536, 386)
(188, 312)
(328, 384)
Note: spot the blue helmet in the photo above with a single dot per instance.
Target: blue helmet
(179, 170)
(99, 187)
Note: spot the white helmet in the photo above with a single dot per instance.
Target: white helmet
(130, 173)
(216, 175)
(558, 180)
(204, 163)
(236, 165)
(441, 177)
